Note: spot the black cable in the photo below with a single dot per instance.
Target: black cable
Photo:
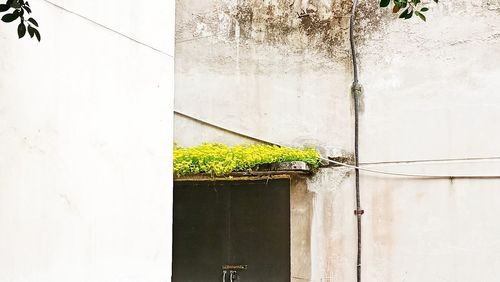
(355, 90)
(351, 40)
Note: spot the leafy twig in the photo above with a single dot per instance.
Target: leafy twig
(409, 8)
(20, 10)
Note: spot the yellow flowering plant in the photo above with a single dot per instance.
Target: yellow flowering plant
(219, 159)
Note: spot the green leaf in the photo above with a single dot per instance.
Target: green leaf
(404, 14)
(4, 7)
(424, 9)
(31, 31)
(10, 17)
(27, 9)
(37, 34)
(384, 3)
(21, 30)
(16, 4)
(420, 15)
(409, 15)
(32, 20)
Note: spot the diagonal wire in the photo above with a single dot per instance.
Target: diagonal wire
(224, 129)
(375, 171)
(108, 28)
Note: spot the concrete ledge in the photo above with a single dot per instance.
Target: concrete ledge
(268, 171)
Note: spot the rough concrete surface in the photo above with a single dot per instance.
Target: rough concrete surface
(281, 71)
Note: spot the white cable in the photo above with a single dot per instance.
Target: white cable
(408, 174)
(412, 175)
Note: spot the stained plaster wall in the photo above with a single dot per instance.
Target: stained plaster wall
(433, 94)
(430, 92)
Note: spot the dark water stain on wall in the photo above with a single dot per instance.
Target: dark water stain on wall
(297, 25)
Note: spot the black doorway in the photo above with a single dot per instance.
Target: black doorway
(241, 226)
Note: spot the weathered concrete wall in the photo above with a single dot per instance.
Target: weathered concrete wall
(432, 230)
(430, 93)
(268, 81)
(258, 68)
(431, 89)
(301, 215)
(84, 146)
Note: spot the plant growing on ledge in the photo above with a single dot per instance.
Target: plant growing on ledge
(407, 8)
(220, 159)
(20, 7)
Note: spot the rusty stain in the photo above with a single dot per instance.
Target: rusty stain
(359, 212)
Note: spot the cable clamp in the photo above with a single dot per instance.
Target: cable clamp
(359, 212)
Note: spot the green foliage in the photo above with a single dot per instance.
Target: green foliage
(406, 8)
(219, 159)
(19, 9)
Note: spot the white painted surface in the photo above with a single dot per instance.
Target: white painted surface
(431, 92)
(85, 171)
(431, 230)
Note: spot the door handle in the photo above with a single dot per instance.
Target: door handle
(224, 272)
(231, 271)
(233, 276)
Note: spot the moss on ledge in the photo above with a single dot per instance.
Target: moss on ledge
(220, 159)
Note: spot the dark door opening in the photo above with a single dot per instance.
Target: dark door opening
(236, 230)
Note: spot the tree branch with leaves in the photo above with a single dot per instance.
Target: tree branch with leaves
(408, 8)
(19, 9)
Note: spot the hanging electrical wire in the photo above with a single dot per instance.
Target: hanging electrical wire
(356, 92)
(107, 28)
(360, 168)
